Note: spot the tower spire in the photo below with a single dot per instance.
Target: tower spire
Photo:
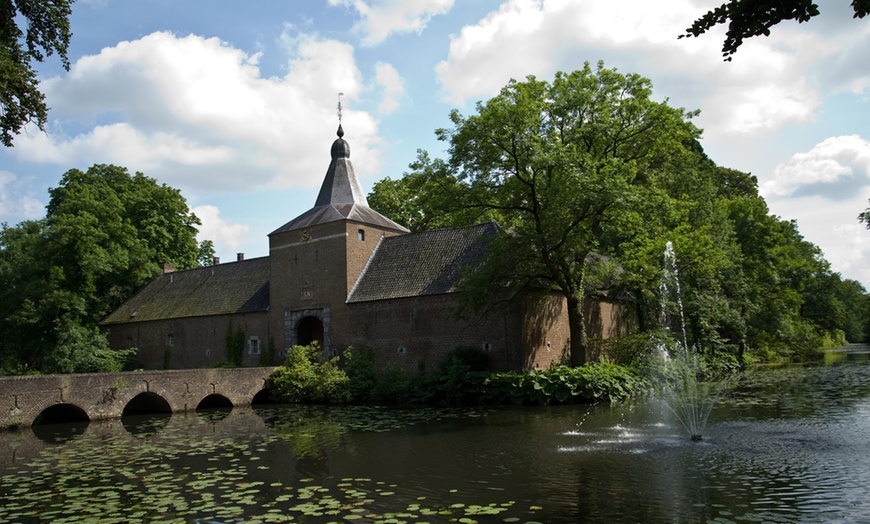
(340, 130)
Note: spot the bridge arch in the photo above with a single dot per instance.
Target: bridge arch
(215, 400)
(61, 413)
(145, 403)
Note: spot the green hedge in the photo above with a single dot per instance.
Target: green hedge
(461, 379)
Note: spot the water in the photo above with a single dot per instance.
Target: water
(782, 445)
(688, 398)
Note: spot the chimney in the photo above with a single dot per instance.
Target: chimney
(240, 257)
(167, 268)
(215, 261)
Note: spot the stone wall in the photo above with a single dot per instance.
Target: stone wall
(105, 395)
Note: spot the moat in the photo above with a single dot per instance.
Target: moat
(785, 445)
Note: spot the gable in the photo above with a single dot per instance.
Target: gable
(236, 287)
(427, 263)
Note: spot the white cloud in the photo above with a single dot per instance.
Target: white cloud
(831, 161)
(381, 18)
(770, 82)
(15, 202)
(226, 236)
(392, 85)
(195, 113)
(834, 227)
(852, 250)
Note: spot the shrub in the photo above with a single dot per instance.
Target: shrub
(563, 384)
(461, 376)
(304, 378)
(360, 369)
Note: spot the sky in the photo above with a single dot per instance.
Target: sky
(235, 103)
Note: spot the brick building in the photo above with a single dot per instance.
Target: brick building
(344, 275)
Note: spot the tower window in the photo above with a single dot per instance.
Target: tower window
(361, 234)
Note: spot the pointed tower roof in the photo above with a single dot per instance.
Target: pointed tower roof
(341, 197)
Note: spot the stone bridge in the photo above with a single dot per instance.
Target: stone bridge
(38, 399)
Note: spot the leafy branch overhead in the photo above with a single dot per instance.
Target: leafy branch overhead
(47, 32)
(748, 18)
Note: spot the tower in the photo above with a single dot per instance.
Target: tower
(316, 258)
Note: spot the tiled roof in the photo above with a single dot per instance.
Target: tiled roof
(421, 264)
(236, 287)
(341, 197)
(333, 212)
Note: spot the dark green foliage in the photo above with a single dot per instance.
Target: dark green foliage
(459, 380)
(572, 169)
(47, 32)
(104, 235)
(563, 384)
(235, 345)
(462, 379)
(360, 369)
(748, 18)
(391, 386)
(167, 357)
(304, 377)
(590, 178)
(630, 350)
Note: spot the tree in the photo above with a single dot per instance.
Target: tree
(205, 253)
(748, 18)
(570, 168)
(864, 217)
(428, 197)
(48, 32)
(105, 234)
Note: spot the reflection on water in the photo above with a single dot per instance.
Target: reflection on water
(783, 445)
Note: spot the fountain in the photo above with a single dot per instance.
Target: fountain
(688, 397)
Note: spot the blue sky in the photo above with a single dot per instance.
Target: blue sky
(235, 102)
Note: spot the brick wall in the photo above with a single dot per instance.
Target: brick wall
(187, 343)
(313, 270)
(405, 332)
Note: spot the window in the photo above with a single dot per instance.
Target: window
(361, 234)
(170, 340)
(254, 346)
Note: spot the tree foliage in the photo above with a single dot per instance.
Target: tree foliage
(104, 235)
(864, 217)
(47, 32)
(590, 178)
(570, 168)
(748, 18)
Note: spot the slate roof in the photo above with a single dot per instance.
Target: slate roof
(421, 264)
(333, 212)
(235, 287)
(341, 196)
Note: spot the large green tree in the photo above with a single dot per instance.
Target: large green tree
(46, 32)
(590, 179)
(570, 167)
(105, 233)
(748, 18)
